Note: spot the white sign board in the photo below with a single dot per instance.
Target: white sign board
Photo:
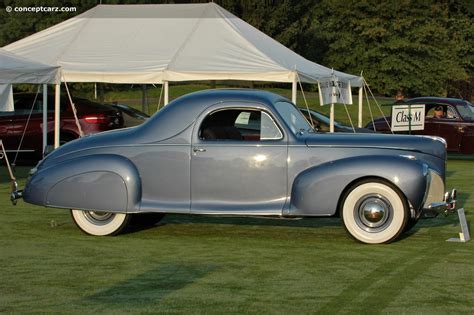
(332, 91)
(408, 117)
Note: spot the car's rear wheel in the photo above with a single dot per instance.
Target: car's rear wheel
(100, 223)
(374, 211)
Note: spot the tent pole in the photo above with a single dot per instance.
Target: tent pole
(144, 99)
(57, 103)
(166, 101)
(294, 87)
(45, 117)
(359, 124)
(331, 119)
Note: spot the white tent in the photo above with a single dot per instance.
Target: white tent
(16, 69)
(168, 42)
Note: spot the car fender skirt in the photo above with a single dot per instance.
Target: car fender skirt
(317, 190)
(98, 182)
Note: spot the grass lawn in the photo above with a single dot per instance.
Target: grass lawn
(209, 265)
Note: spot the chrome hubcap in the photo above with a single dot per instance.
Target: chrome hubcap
(98, 217)
(373, 212)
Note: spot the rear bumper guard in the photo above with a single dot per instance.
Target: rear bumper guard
(15, 194)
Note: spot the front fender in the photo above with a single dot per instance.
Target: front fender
(96, 182)
(317, 190)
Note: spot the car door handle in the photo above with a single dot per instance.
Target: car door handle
(195, 149)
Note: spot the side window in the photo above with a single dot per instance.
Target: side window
(441, 112)
(63, 106)
(23, 106)
(268, 128)
(239, 124)
(451, 113)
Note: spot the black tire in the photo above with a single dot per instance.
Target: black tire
(410, 224)
(63, 139)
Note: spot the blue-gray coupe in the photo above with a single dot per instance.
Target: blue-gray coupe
(248, 153)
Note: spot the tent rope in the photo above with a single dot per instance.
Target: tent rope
(344, 103)
(304, 98)
(370, 109)
(74, 111)
(345, 106)
(26, 126)
(376, 103)
(159, 99)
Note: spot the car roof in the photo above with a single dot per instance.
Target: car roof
(437, 100)
(183, 111)
(237, 94)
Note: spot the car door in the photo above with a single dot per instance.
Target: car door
(450, 128)
(27, 123)
(238, 162)
(6, 119)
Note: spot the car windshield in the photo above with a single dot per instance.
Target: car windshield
(467, 111)
(293, 117)
(325, 119)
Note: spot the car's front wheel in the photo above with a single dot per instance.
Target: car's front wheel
(99, 223)
(374, 211)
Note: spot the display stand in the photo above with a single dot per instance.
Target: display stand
(464, 235)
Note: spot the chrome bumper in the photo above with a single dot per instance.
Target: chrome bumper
(15, 194)
(447, 206)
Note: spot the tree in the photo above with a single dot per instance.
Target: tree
(415, 46)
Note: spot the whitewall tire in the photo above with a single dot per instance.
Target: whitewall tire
(374, 211)
(99, 223)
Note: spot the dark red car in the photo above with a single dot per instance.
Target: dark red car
(92, 116)
(449, 118)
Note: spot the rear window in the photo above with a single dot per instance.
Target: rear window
(467, 111)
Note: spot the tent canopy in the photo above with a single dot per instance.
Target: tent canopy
(17, 69)
(167, 42)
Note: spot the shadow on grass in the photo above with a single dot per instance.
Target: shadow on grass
(303, 223)
(238, 220)
(152, 286)
(398, 274)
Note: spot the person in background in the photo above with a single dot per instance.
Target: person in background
(399, 97)
(439, 112)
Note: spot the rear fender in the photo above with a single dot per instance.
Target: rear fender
(317, 190)
(97, 182)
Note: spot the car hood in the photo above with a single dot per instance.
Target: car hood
(344, 128)
(424, 144)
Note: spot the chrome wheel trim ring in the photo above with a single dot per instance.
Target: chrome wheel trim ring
(99, 217)
(373, 213)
